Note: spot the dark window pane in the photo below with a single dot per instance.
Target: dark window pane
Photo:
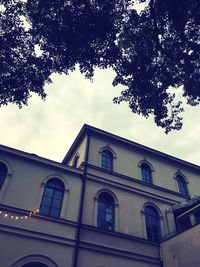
(51, 183)
(58, 194)
(56, 203)
(46, 201)
(55, 212)
(146, 173)
(52, 198)
(105, 215)
(152, 224)
(3, 173)
(75, 162)
(109, 217)
(59, 185)
(100, 221)
(44, 210)
(184, 224)
(182, 185)
(48, 192)
(107, 160)
(197, 216)
(101, 206)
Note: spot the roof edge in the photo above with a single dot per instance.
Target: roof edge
(76, 142)
(35, 158)
(86, 128)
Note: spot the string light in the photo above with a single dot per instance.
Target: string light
(17, 216)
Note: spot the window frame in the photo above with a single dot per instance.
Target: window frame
(150, 218)
(3, 173)
(105, 158)
(150, 179)
(7, 179)
(183, 223)
(106, 200)
(76, 160)
(146, 173)
(35, 258)
(182, 184)
(196, 214)
(53, 199)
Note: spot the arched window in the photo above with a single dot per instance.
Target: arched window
(107, 160)
(146, 173)
(75, 161)
(3, 173)
(152, 220)
(182, 185)
(52, 198)
(106, 211)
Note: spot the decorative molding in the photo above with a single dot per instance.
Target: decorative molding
(35, 258)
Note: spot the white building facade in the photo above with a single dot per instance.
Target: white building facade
(107, 204)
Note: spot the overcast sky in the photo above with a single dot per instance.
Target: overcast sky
(48, 128)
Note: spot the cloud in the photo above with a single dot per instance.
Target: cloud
(48, 128)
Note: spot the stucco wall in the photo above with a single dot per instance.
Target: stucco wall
(26, 186)
(128, 159)
(100, 259)
(80, 152)
(14, 248)
(126, 246)
(129, 209)
(45, 237)
(183, 249)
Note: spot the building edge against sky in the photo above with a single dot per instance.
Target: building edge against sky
(110, 203)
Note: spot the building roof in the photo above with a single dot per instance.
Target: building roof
(185, 207)
(96, 131)
(35, 158)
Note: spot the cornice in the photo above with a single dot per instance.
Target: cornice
(121, 140)
(15, 153)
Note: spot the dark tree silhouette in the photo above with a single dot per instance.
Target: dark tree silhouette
(150, 52)
(21, 72)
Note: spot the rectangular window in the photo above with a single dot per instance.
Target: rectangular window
(184, 224)
(197, 217)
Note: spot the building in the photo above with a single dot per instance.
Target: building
(182, 247)
(110, 203)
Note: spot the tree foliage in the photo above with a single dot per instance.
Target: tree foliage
(150, 52)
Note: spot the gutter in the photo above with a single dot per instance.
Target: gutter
(81, 205)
